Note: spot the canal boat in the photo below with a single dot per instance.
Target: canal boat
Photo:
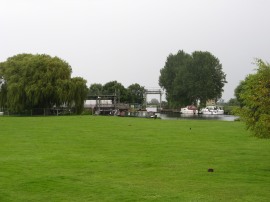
(191, 109)
(212, 110)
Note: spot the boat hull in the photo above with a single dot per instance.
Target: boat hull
(188, 111)
(212, 110)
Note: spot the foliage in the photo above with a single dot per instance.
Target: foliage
(154, 101)
(115, 88)
(255, 96)
(136, 93)
(230, 109)
(87, 112)
(80, 92)
(164, 104)
(3, 94)
(173, 77)
(95, 89)
(132, 94)
(233, 102)
(231, 106)
(39, 81)
(189, 78)
(237, 92)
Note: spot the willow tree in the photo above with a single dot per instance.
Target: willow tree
(80, 91)
(36, 81)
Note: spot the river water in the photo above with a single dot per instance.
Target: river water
(178, 116)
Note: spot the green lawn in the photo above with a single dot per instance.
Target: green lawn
(94, 158)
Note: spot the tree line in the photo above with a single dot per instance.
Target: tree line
(41, 81)
(132, 94)
(30, 81)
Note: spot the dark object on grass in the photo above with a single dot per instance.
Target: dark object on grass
(210, 170)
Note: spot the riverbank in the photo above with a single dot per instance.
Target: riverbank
(177, 116)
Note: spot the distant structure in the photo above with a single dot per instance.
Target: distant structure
(110, 103)
(210, 102)
(105, 104)
(153, 91)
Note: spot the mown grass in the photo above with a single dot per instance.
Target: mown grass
(92, 158)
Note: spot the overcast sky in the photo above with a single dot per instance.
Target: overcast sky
(129, 40)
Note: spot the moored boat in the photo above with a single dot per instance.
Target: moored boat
(191, 109)
(212, 110)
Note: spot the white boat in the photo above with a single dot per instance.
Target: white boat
(212, 110)
(191, 109)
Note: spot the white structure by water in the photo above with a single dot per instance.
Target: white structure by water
(212, 110)
(189, 110)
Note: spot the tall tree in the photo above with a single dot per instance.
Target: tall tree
(255, 97)
(189, 78)
(113, 87)
(206, 77)
(95, 89)
(136, 93)
(36, 81)
(173, 77)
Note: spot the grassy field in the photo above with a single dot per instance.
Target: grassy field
(92, 158)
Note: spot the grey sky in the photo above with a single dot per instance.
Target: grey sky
(129, 40)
